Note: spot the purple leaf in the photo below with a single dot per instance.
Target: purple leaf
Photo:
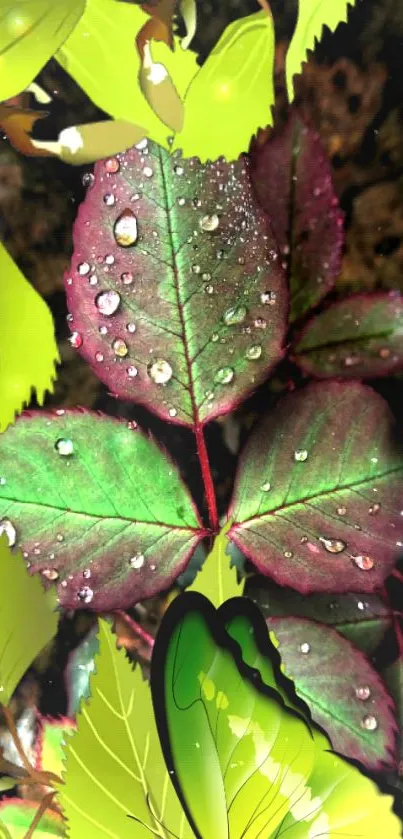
(344, 693)
(355, 338)
(179, 301)
(317, 502)
(292, 179)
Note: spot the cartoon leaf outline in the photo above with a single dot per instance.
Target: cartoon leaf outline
(111, 527)
(318, 486)
(25, 321)
(217, 578)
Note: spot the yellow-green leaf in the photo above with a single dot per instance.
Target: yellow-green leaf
(217, 580)
(313, 15)
(27, 619)
(114, 763)
(30, 32)
(81, 144)
(232, 95)
(17, 816)
(28, 351)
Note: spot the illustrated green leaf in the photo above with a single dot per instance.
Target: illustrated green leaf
(79, 667)
(50, 745)
(362, 619)
(346, 696)
(188, 10)
(98, 508)
(27, 619)
(25, 322)
(114, 763)
(217, 579)
(313, 15)
(360, 337)
(17, 816)
(102, 57)
(317, 499)
(191, 313)
(81, 144)
(245, 764)
(231, 96)
(31, 32)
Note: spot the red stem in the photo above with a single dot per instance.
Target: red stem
(207, 478)
(135, 627)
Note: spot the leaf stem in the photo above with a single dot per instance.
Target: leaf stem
(44, 805)
(137, 630)
(209, 490)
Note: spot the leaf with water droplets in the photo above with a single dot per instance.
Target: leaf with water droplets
(344, 693)
(332, 520)
(293, 182)
(28, 620)
(83, 510)
(175, 287)
(25, 321)
(360, 337)
(362, 619)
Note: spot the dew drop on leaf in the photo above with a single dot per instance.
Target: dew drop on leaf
(132, 371)
(99, 357)
(109, 259)
(76, 340)
(268, 298)
(109, 199)
(148, 172)
(305, 648)
(83, 268)
(363, 562)
(209, 223)
(333, 546)
(85, 594)
(288, 554)
(301, 455)
(86, 573)
(125, 229)
(214, 338)
(178, 170)
(369, 722)
(341, 511)
(120, 348)
(160, 371)
(266, 487)
(363, 692)
(260, 323)
(253, 352)
(107, 302)
(127, 278)
(7, 527)
(112, 165)
(88, 179)
(172, 412)
(234, 315)
(64, 446)
(50, 574)
(137, 561)
(131, 327)
(224, 376)
(374, 509)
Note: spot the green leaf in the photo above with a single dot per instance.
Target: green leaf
(243, 763)
(114, 763)
(318, 495)
(97, 506)
(7, 783)
(313, 15)
(28, 351)
(27, 620)
(217, 579)
(31, 31)
(50, 744)
(17, 816)
(231, 97)
(102, 57)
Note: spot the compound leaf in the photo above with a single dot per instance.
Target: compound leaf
(317, 500)
(177, 295)
(97, 507)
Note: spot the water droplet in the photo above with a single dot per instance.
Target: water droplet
(112, 165)
(341, 511)
(209, 290)
(365, 563)
(384, 352)
(234, 315)
(93, 280)
(132, 371)
(83, 268)
(3, 482)
(209, 223)
(85, 594)
(369, 722)
(148, 172)
(64, 446)
(50, 574)
(303, 540)
(142, 145)
(374, 509)
(109, 259)
(181, 202)
(253, 352)
(214, 338)
(137, 561)
(127, 278)
(266, 487)
(363, 692)
(107, 302)
(76, 340)
(268, 298)
(99, 357)
(103, 330)
(120, 348)
(86, 573)
(60, 537)
(301, 455)
(109, 199)
(333, 546)
(224, 376)
(131, 327)
(288, 554)
(172, 412)
(179, 170)
(125, 229)
(7, 527)
(305, 648)
(260, 323)
(196, 269)
(160, 371)
(88, 179)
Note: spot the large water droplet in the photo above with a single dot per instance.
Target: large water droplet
(333, 546)
(109, 199)
(148, 171)
(363, 692)
(369, 722)
(125, 229)
(112, 165)
(305, 648)
(7, 527)
(209, 223)
(253, 352)
(107, 302)
(76, 340)
(137, 561)
(301, 455)
(64, 446)
(234, 315)
(224, 376)
(160, 371)
(85, 594)
(365, 563)
(120, 348)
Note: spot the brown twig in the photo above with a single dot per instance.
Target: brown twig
(44, 805)
(43, 778)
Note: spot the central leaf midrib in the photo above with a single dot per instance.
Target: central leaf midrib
(353, 340)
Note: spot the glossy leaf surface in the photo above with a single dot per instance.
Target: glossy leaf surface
(345, 694)
(177, 295)
(293, 182)
(97, 508)
(360, 337)
(318, 495)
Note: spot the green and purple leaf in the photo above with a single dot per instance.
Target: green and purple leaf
(362, 619)
(344, 693)
(317, 503)
(97, 508)
(178, 297)
(356, 338)
(293, 182)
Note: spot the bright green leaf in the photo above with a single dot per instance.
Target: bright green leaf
(50, 746)
(114, 763)
(27, 621)
(232, 95)
(7, 783)
(17, 817)
(217, 579)
(28, 352)
(30, 32)
(313, 15)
